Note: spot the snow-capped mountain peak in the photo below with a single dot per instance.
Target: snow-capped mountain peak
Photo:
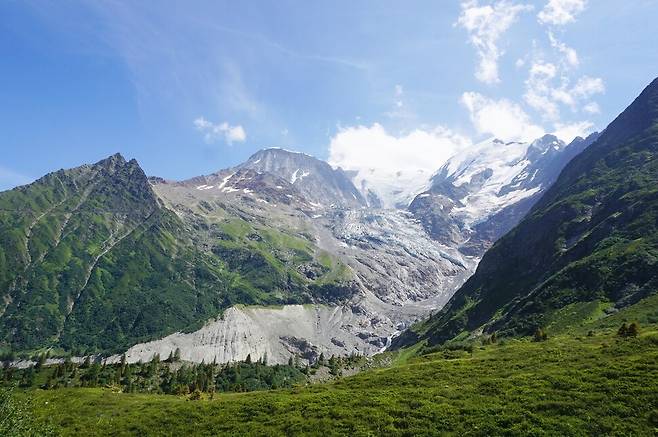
(492, 183)
(314, 178)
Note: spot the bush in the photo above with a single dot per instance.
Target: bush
(540, 335)
(196, 395)
(631, 330)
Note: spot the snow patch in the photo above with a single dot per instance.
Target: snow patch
(225, 181)
(295, 176)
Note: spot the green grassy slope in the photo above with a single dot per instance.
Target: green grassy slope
(91, 261)
(571, 384)
(563, 386)
(592, 237)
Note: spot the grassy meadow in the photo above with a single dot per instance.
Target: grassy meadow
(571, 384)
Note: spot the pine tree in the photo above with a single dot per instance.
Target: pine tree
(248, 359)
(40, 361)
(633, 330)
(333, 366)
(177, 354)
(540, 335)
(623, 330)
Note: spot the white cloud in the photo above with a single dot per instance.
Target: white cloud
(502, 118)
(567, 132)
(545, 96)
(588, 86)
(570, 54)
(359, 147)
(400, 110)
(592, 108)
(395, 167)
(538, 89)
(485, 25)
(561, 12)
(213, 132)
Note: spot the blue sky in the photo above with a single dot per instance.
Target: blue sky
(190, 87)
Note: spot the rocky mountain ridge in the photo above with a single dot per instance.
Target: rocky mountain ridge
(282, 228)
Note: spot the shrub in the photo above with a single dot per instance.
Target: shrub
(540, 335)
(633, 330)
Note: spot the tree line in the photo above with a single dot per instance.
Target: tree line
(171, 375)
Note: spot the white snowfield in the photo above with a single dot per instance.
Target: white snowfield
(394, 189)
(505, 161)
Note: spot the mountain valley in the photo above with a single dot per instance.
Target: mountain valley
(282, 229)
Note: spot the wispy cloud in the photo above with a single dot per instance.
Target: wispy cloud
(501, 118)
(550, 86)
(570, 54)
(400, 110)
(268, 42)
(485, 25)
(561, 12)
(212, 132)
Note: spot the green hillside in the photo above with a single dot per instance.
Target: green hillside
(570, 384)
(91, 261)
(592, 239)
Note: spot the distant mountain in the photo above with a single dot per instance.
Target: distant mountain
(101, 258)
(482, 192)
(373, 270)
(316, 180)
(589, 245)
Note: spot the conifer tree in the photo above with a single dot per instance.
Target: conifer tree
(540, 335)
(633, 330)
